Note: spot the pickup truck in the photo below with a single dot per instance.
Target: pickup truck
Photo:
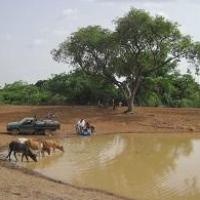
(30, 125)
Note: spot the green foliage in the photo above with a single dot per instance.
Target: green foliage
(136, 62)
(173, 90)
(73, 88)
(79, 88)
(22, 93)
(141, 46)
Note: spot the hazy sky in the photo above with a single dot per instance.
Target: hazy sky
(30, 29)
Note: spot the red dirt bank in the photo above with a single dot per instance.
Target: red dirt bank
(15, 184)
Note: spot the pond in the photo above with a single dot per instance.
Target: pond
(139, 166)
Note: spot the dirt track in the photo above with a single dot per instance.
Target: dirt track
(15, 184)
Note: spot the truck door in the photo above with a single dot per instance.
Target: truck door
(27, 127)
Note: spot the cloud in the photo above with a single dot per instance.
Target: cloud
(36, 42)
(60, 32)
(122, 1)
(136, 3)
(163, 14)
(69, 12)
(6, 36)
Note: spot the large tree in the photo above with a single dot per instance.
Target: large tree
(141, 46)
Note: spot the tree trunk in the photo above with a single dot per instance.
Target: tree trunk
(130, 91)
(130, 104)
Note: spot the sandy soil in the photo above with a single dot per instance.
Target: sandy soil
(21, 184)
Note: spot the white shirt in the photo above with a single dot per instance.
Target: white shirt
(81, 124)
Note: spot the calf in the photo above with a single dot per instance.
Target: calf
(35, 145)
(52, 144)
(18, 147)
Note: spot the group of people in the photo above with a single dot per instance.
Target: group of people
(84, 128)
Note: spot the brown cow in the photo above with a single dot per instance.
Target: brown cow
(36, 145)
(52, 144)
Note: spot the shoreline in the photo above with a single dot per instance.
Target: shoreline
(30, 172)
(161, 121)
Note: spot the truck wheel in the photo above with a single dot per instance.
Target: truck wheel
(39, 132)
(42, 132)
(15, 132)
(48, 132)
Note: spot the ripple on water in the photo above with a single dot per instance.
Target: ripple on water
(159, 167)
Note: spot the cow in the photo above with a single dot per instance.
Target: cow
(18, 147)
(36, 145)
(52, 144)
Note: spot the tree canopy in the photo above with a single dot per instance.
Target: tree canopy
(140, 47)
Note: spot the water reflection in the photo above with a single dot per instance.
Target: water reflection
(138, 166)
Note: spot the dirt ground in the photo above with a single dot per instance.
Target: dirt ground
(21, 184)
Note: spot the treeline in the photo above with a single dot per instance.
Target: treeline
(77, 88)
(74, 88)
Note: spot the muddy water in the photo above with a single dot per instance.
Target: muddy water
(143, 167)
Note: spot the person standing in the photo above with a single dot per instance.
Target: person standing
(113, 104)
(81, 125)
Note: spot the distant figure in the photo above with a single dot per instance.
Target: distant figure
(99, 104)
(35, 117)
(87, 130)
(80, 126)
(120, 104)
(84, 128)
(113, 104)
(50, 115)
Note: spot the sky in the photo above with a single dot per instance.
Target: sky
(30, 29)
